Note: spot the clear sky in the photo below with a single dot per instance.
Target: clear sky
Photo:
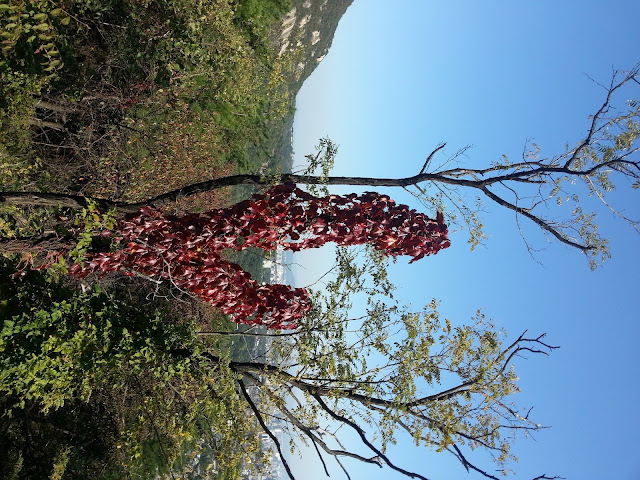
(402, 76)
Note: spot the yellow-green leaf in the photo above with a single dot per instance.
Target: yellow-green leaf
(42, 27)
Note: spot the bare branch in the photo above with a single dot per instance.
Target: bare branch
(309, 432)
(433, 152)
(364, 438)
(537, 220)
(266, 429)
(468, 465)
(593, 128)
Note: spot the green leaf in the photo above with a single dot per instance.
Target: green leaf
(42, 27)
(8, 326)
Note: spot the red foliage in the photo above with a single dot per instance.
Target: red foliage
(187, 249)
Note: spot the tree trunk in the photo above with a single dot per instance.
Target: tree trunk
(62, 200)
(47, 242)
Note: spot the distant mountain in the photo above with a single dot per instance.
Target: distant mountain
(303, 38)
(307, 32)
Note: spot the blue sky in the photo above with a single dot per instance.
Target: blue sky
(401, 77)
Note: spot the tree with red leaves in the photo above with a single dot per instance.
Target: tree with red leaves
(605, 156)
(321, 358)
(187, 250)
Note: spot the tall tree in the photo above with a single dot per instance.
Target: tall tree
(602, 159)
(381, 373)
(386, 373)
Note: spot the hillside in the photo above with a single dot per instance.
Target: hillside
(302, 38)
(310, 26)
(126, 99)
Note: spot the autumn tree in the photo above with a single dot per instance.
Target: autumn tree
(603, 158)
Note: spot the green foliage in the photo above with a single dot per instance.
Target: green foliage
(16, 110)
(321, 164)
(60, 464)
(65, 345)
(450, 387)
(93, 223)
(603, 159)
(132, 368)
(31, 35)
(153, 92)
(11, 464)
(194, 85)
(257, 18)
